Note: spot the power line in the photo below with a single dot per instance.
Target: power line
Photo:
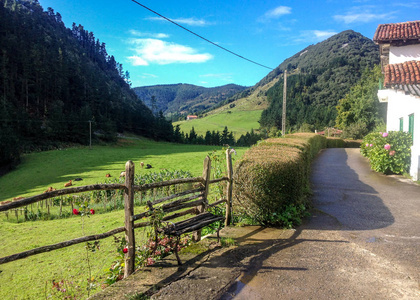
(201, 37)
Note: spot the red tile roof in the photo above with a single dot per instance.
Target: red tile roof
(403, 73)
(404, 76)
(397, 32)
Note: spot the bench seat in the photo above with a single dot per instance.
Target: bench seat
(192, 224)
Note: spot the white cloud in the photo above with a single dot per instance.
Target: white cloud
(363, 14)
(227, 77)
(276, 13)
(216, 75)
(360, 18)
(154, 51)
(323, 34)
(149, 34)
(147, 75)
(314, 36)
(184, 21)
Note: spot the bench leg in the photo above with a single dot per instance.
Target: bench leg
(176, 251)
(218, 235)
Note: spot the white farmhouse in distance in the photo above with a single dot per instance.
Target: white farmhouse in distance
(399, 45)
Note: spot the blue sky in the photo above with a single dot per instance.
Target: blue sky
(155, 51)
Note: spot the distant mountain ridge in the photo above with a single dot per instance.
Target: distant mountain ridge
(184, 98)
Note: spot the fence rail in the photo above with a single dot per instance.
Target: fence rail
(129, 190)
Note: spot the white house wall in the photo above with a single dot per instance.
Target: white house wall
(401, 106)
(402, 54)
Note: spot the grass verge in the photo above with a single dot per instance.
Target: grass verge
(32, 278)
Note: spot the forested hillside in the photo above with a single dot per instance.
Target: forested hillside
(184, 99)
(55, 80)
(318, 77)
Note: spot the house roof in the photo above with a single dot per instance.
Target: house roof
(397, 32)
(404, 76)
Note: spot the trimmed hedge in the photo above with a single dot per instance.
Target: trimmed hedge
(272, 178)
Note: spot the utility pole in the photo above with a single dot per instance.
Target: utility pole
(283, 118)
(90, 134)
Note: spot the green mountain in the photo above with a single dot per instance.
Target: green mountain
(184, 98)
(318, 77)
(56, 81)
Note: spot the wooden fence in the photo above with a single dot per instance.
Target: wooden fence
(130, 189)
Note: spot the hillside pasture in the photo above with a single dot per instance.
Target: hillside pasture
(38, 171)
(237, 121)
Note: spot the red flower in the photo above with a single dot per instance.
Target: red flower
(125, 250)
(76, 211)
(392, 152)
(92, 211)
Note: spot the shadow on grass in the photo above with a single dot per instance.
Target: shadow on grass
(38, 171)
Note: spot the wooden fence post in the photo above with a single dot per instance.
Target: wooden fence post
(206, 177)
(129, 212)
(229, 187)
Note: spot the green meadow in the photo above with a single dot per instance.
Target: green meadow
(38, 171)
(238, 121)
(32, 277)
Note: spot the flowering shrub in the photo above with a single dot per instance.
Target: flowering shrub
(146, 255)
(151, 252)
(85, 210)
(64, 289)
(156, 247)
(388, 152)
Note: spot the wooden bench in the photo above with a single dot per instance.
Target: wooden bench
(189, 225)
(192, 202)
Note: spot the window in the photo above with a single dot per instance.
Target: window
(401, 124)
(411, 125)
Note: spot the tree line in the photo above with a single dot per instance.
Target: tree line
(216, 138)
(55, 81)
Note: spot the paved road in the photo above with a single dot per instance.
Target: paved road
(362, 242)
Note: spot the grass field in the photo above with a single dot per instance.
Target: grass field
(38, 171)
(238, 121)
(31, 278)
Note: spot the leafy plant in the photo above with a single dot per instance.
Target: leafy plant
(388, 152)
(156, 247)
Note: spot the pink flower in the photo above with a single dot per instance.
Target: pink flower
(367, 145)
(92, 211)
(150, 261)
(76, 211)
(164, 241)
(392, 153)
(158, 252)
(370, 145)
(125, 250)
(385, 134)
(167, 249)
(387, 146)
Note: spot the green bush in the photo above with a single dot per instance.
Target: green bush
(340, 143)
(388, 153)
(272, 179)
